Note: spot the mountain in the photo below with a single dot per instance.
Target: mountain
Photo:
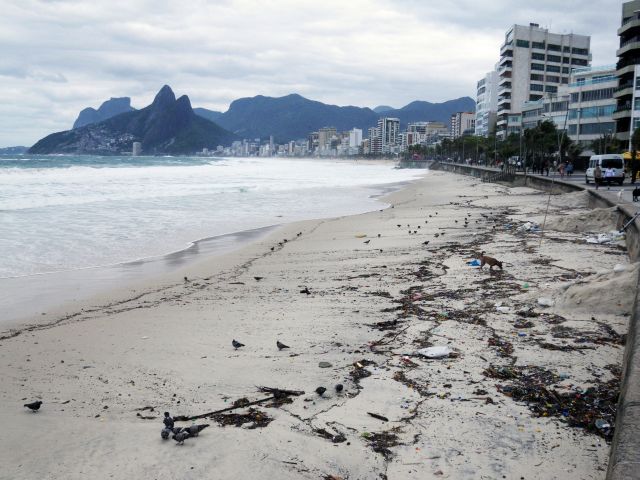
(383, 108)
(294, 117)
(210, 115)
(110, 108)
(440, 112)
(167, 126)
(290, 117)
(13, 150)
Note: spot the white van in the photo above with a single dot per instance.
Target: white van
(613, 161)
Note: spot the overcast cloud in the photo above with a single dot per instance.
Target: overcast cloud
(59, 56)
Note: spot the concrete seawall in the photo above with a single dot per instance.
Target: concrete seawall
(624, 459)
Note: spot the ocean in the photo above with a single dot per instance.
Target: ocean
(65, 214)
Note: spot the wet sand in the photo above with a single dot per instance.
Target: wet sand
(371, 307)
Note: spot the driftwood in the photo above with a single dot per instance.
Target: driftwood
(277, 394)
(379, 417)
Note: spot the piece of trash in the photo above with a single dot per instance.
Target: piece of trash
(145, 337)
(361, 235)
(525, 285)
(618, 268)
(545, 302)
(325, 365)
(416, 296)
(378, 416)
(529, 227)
(522, 334)
(474, 263)
(435, 352)
(602, 424)
(503, 309)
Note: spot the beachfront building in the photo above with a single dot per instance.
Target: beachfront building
(461, 123)
(389, 131)
(486, 104)
(326, 136)
(375, 141)
(534, 62)
(627, 114)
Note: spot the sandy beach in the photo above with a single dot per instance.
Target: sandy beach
(513, 398)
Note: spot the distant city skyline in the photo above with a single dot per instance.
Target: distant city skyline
(60, 56)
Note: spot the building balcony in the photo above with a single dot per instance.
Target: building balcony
(631, 23)
(505, 69)
(623, 111)
(506, 48)
(623, 90)
(504, 110)
(628, 45)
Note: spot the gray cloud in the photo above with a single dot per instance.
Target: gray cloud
(60, 56)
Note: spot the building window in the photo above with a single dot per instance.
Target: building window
(566, 49)
(601, 94)
(551, 89)
(554, 47)
(554, 58)
(575, 97)
(537, 66)
(533, 98)
(579, 61)
(522, 43)
(538, 45)
(566, 60)
(580, 51)
(597, 128)
(536, 87)
(565, 80)
(592, 112)
(537, 56)
(537, 77)
(553, 68)
(565, 69)
(573, 129)
(553, 79)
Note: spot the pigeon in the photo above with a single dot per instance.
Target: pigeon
(164, 434)
(273, 248)
(320, 390)
(281, 345)
(33, 406)
(257, 279)
(305, 290)
(168, 421)
(194, 430)
(399, 225)
(456, 221)
(186, 279)
(367, 241)
(425, 242)
(181, 436)
(339, 387)
(379, 235)
(436, 235)
(236, 344)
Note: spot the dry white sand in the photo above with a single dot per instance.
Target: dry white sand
(169, 347)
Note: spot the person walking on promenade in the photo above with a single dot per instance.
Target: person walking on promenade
(569, 168)
(597, 176)
(561, 169)
(608, 175)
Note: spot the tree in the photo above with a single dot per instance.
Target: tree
(635, 146)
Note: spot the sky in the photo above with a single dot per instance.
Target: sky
(60, 56)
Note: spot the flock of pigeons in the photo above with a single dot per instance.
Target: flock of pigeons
(179, 434)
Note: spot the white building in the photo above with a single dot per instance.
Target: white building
(534, 62)
(355, 138)
(487, 104)
(136, 149)
(462, 122)
(389, 132)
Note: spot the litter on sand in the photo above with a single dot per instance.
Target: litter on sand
(545, 302)
(612, 236)
(435, 352)
(474, 263)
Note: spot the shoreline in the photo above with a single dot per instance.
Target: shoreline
(136, 274)
(382, 285)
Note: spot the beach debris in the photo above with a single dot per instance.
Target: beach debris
(236, 344)
(337, 438)
(529, 227)
(474, 263)
(325, 364)
(361, 235)
(383, 441)
(34, 406)
(612, 236)
(320, 390)
(257, 279)
(305, 290)
(378, 416)
(503, 309)
(279, 395)
(619, 268)
(280, 345)
(435, 352)
(545, 302)
(339, 387)
(254, 417)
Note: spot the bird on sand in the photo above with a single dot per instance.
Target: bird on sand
(186, 279)
(425, 242)
(194, 430)
(164, 434)
(379, 235)
(168, 421)
(305, 290)
(257, 279)
(181, 436)
(367, 241)
(281, 345)
(399, 225)
(236, 344)
(320, 390)
(33, 406)
(339, 387)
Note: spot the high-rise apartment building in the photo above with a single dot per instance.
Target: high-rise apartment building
(462, 122)
(534, 62)
(389, 133)
(355, 138)
(486, 104)
(627, 113)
